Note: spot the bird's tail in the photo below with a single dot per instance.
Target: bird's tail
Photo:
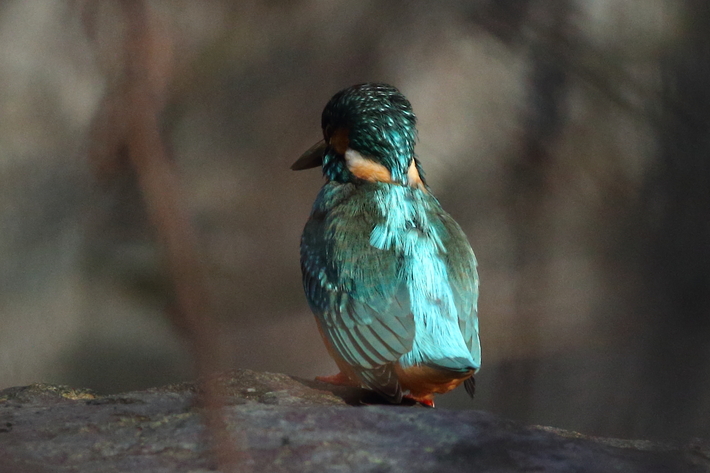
(455, 364)
(470, 386)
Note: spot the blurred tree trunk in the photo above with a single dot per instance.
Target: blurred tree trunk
(676, 253)
(529, 218)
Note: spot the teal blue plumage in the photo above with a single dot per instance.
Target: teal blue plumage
(388, 273)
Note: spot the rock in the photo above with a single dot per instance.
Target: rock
(293, 425)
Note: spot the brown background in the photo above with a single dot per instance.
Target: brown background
(569, 139)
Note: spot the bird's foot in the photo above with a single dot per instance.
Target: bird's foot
(426, 401)
(338, 379)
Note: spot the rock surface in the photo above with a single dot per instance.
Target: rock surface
(293, 425)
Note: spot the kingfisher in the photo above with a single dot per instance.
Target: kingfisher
(389, 275)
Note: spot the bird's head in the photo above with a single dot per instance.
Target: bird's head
(369, 132)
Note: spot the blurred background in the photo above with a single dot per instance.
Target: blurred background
(145, 187)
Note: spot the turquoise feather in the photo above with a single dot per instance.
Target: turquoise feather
(388, 273)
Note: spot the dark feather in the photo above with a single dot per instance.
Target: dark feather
(383, 381)
(470, 386)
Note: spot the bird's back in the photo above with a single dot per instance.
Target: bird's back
(392, 280)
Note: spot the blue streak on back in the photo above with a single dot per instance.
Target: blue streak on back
(411, 228)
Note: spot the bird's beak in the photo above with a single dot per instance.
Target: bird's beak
(311, 158)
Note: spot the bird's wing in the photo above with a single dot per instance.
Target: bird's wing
(463, 280)
(355, 289)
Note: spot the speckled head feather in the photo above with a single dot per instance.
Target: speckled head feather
(379, 123)
(376, 121)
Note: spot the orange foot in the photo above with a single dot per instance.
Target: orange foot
(338, 379)
(426, 401)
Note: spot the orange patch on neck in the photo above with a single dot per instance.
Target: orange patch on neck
(366, 169)
(340, 140)
(369, 170)
(413, 177)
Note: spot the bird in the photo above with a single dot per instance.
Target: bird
(390, 276)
